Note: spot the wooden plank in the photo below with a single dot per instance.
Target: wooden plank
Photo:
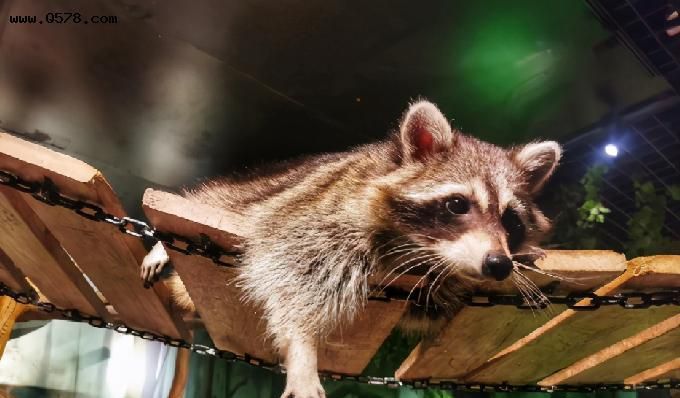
(626, 358)
(237, 327)
(232, 324)
(32, 249)
(351, 349)
(11, 276)
(478, 333)
(665, 371)
(575, 335)
(110, 259)
(173, 213)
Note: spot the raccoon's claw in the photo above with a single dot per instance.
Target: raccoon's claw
(529, 259)
(153, 264)
(538, 254)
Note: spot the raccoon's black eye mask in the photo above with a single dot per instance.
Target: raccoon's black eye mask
(514, 228)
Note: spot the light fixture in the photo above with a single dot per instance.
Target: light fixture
(611, 150)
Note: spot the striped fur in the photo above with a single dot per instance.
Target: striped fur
(319, 227)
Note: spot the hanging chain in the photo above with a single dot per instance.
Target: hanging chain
(390, 382)
(48, 193)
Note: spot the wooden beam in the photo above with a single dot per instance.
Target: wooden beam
(650, 348)
(626, 358)
(11, 276)
(172, 213)
(667, 370)
(574, 335)
(237, 326)
(478, 333)
(351, 349)
(31, 248)
(110, 259)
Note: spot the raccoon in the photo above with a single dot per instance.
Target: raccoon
(427, 199)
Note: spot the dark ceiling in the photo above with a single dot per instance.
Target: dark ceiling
(177, 90)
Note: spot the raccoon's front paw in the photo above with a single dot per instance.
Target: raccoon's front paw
(529, 258)
(303, 388)
(153, 264)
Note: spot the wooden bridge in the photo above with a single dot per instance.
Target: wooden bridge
(90, 266)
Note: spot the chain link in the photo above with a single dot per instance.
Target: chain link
(389, 382)
(47, 192)
(581, 301)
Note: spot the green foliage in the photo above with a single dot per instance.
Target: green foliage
(579, 223)
(674, 192)
(592, 211)
(577, 226)
(646, 226)
(394, 350)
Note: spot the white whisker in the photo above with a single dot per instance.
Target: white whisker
(424, 259)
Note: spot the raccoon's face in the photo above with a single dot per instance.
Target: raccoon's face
(459, 206)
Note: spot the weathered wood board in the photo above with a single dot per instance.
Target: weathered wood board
(11, 276)
(110, 259)
(650, 347)
(32, 249)
(478, 333)
(574, 335)
(351, 349)
(626, 358)
(665, 371)
(237, 326)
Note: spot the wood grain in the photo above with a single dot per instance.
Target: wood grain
(110, 259)
(12, 276)
(666, 370)
(476, 333)
(652, 347)
(350, 349)
(574, 335)
(32, 249)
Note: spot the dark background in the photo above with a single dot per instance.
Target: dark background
(177, 91)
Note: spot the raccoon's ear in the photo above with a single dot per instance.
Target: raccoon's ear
(537, 161)
(423, 131)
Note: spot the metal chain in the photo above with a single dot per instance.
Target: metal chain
(47, 192)
(390, 382)
(576, 301)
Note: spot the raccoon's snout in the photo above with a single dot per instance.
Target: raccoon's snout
(497, 265)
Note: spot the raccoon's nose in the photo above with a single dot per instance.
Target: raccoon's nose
(497, 265)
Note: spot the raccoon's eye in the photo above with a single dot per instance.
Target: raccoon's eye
(458, 205)
(514, 228)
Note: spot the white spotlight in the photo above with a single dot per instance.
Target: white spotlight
(611, 150)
